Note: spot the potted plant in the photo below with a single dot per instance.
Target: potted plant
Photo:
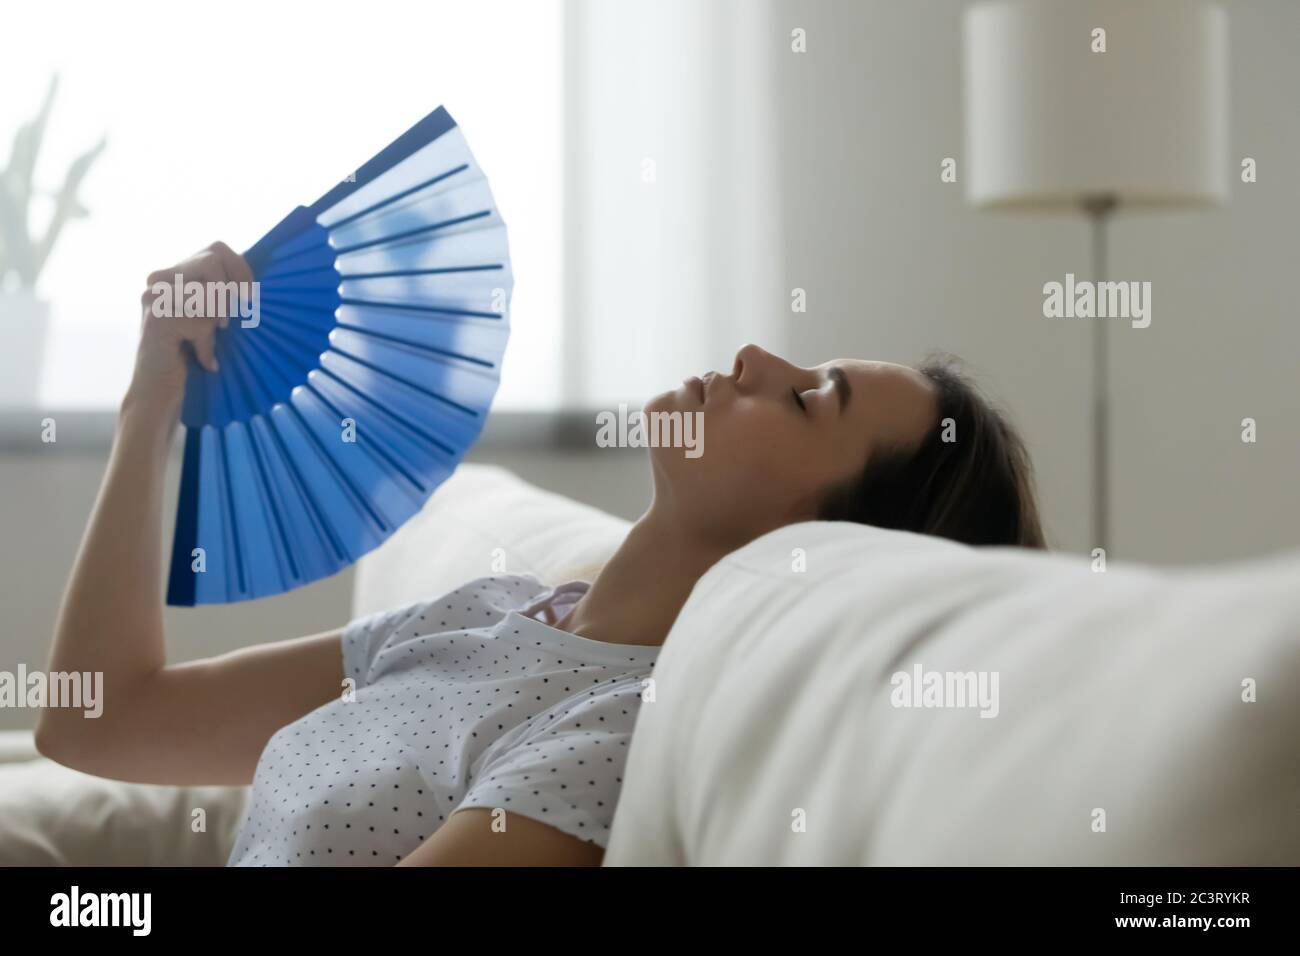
(24, 316)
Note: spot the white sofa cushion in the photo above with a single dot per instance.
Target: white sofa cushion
(1119, 691)
(484, 520)
(53, 816)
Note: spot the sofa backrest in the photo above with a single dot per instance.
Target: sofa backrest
(1142, 716)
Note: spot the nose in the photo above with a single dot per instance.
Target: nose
(750, 362)
(756, 366)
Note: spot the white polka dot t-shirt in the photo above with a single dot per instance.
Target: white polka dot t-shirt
(464, 701)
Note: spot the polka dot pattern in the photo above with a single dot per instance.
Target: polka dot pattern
(463, 701)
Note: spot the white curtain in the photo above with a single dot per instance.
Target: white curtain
(672, 222)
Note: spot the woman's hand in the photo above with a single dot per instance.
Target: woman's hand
(160, 363)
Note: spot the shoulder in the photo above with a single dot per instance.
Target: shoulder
(506, 592)
(476, 603)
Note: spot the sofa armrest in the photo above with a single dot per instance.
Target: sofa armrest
(17, 746)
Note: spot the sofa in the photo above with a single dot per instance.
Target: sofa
(1125, 716)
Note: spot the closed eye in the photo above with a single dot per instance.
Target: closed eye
(798, 400)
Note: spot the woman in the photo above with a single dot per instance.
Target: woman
(490, 725)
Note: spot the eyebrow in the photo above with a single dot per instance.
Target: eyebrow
(841, 383)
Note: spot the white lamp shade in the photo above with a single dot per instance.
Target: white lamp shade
(1050, 123)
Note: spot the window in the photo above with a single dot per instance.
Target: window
(222, 118)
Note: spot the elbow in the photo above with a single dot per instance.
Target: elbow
(56, 743)
(80, 738)
(46, 739)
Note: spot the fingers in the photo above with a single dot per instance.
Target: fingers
(217, 263)
(205, 350)
(201, 333)
(177, 318)
(232, 264)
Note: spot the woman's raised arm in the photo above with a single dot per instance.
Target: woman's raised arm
(201, 722)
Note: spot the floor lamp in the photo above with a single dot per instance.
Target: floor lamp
(1096, 106)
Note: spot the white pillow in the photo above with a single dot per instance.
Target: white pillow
(1118, 692)
(484, 520)
(53, 816)
(16, 745)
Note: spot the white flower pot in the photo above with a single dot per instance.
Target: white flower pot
(24, 324)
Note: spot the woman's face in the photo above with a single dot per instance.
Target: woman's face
(777, 437)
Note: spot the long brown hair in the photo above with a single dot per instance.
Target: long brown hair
(970, 479)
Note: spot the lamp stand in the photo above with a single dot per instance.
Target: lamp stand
(1098, 209)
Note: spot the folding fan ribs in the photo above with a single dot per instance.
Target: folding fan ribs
(383, 319)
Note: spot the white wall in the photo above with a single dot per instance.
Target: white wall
(895, 264)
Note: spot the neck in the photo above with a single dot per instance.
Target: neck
(638, 594)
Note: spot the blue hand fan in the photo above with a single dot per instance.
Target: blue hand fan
(367, 375)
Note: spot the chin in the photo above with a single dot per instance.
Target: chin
(664, 402)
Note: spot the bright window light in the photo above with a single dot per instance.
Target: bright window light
(222, 118)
